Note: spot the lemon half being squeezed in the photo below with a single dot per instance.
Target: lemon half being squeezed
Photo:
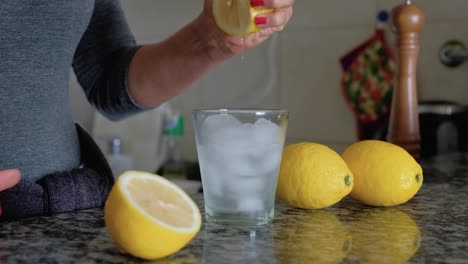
(150, 217)
(236, 17)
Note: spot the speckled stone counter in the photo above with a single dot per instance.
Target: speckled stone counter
(431, 228)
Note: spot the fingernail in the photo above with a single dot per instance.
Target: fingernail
(260, 20)
(254, 3)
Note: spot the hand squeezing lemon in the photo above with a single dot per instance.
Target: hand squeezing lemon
(236, 17)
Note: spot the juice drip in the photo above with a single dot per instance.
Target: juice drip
(242, 42)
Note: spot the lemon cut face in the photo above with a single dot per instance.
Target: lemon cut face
(150, 217)
(236, 17)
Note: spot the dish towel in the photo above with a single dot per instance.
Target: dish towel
(367, 83)
(68, 191)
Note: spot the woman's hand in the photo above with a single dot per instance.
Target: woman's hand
(9, 178)
(270, 23)
(160, 71)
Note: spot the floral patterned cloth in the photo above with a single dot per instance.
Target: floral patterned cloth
(367, 84)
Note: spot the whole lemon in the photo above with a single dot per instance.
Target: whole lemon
(384, 174)
(313, 176)
(383, 235)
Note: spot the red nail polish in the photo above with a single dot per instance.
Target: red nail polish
(255, 3)
(260, 20)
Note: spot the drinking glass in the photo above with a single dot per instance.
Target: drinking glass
(239, 152)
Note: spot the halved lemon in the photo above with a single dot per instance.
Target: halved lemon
(150, 217)
(236, 17)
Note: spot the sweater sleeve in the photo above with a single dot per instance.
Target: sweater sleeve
(102, 59)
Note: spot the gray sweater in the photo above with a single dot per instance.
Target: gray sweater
(39, 42)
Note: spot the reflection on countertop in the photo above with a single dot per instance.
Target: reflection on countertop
(431, 228)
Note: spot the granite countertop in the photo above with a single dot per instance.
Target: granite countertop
(431, 228)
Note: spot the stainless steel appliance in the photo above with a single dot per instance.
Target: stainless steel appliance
(443, 127)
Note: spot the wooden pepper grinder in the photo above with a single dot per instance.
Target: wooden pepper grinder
(404, 117)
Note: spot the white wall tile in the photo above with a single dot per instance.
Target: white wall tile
(310, 83)
(332, 13)
(437, 81)
(150, 19)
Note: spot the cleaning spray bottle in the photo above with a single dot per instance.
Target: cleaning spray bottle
(173, 131)
(118, 161)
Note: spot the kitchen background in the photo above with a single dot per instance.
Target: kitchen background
(297, 69)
